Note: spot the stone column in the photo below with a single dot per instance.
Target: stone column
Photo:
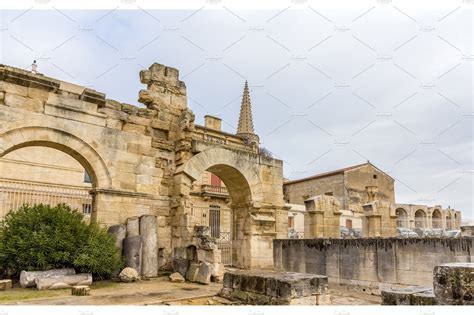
(148, 225)
(132, 249)
(118, 231)
(133, 226)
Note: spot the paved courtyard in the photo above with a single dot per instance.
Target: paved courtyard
(158, 291)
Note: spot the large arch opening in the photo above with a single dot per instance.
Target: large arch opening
(402, 218)
(220, 199)
(251, 229)
(42, 175)
(436, 219)
(49, 166)
(420, 219)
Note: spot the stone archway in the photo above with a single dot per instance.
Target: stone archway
(402, 217)
(257, 218)
(436, 219)
(67, 143)
(420, 219)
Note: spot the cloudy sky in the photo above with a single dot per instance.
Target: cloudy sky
(330, 87)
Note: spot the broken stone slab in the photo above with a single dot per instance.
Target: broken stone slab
(129, 275)
(27, 278)
(133, 226)
(119, 232)
(192, 272)
(263, 287)
(401, 296)
(203, 275)
(132, 249)
(181, 266)
(63, 282)
(453, 284)
(176, 277)
(5, 284)
(148, 225)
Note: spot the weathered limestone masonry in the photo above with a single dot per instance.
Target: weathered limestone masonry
(379, 218)
(263, 287)
(322, 217)
(143, 161)
(372, 262)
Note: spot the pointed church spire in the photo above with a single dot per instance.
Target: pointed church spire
(245, 129)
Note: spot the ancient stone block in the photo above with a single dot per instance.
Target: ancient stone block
(423, 298)
(454, 284)
(26, 103)
(181, 266)
(402, 296)
(132, 249)
(129, 275)
(276, 288)
(176, 277)
(192, 272)
(150, 246)
(5, 284)
(80, 290)
(27, 278)
(204, 273)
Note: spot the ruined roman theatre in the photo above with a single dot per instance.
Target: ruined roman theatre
(144, 160)
(143, 167)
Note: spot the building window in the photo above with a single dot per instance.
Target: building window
(87, 177)
(348, 224)
(86, 208)
(329, 193)
(375, 176)
(291, 222)
(215, 220)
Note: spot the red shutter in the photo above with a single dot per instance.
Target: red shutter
(215, 181)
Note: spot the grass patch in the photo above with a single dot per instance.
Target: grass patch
(18, 294)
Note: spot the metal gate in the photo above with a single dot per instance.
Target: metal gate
(222, 234)
(224, 243)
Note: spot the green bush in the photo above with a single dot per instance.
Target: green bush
(42, 237)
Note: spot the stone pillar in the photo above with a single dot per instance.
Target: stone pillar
(379, 218)
(148, 225)
(133, 226)
(118, 231)
(132, 249)
(323, 215)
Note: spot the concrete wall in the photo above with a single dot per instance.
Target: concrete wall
(370, 262)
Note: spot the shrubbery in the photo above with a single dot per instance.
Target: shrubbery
(43, 237)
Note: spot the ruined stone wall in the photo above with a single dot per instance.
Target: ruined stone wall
(298, 192)
(367, 263)
(355, 182)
